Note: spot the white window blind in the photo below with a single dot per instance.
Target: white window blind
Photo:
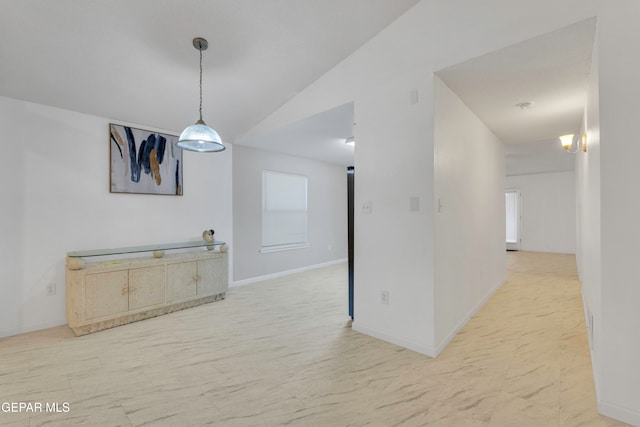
(284, 210)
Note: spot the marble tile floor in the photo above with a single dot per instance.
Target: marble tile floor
(282, 352)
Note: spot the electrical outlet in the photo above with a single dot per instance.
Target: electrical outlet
(51, 289)
(384, 297)
(366, 208)
(414, 97)
(414, 204)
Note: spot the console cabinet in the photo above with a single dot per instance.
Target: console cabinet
(201, 278)
(101, 295)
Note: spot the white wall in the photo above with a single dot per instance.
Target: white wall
(469, 220)
(548, 211)
(327, 213)
(393, 245)
(55, 198)
(13, 228)
(588, 239)
(534, 157)
(619, 345)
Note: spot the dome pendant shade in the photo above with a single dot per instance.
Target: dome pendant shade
(201, 138)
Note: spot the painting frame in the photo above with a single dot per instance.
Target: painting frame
(143, 161)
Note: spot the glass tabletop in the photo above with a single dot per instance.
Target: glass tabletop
(145, 248)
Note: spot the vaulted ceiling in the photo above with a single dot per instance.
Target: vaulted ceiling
(133, 61)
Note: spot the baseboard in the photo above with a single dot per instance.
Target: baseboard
(586, 308)
(30, 328)
(402, 342)
(285, 273)
(421, 348)
(607, 409)
(549, 251)
(442, 344)
(619, 413)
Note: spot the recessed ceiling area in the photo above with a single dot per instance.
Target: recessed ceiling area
(527, 94)
(320, 137)
(551, 72)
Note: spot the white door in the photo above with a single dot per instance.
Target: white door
(514, 216)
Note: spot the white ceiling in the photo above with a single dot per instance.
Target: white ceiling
(321, 136)
(133, 61)
(551, 71)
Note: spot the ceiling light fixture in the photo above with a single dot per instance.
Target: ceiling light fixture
(350, 141)
(200, 137)
(525, 105)
(567, 142)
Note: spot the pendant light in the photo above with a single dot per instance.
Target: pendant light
(200, 137)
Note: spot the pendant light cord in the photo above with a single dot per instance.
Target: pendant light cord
(200, 84)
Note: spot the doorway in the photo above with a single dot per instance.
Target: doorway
(513, 202)
(350, 225)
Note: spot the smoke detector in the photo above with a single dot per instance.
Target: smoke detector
(527, 105)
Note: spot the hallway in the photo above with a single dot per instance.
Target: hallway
(281, 352)
(528, 350)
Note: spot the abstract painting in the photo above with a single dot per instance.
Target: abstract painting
(144, 162)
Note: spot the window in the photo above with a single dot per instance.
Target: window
(284, 211)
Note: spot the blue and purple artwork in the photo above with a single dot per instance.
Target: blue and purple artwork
(144, 162)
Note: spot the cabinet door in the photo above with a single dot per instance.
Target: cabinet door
(106, 294)
(211, 277)
(181, 281)
(146, 287)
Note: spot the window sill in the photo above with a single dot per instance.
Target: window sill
(269, 249)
